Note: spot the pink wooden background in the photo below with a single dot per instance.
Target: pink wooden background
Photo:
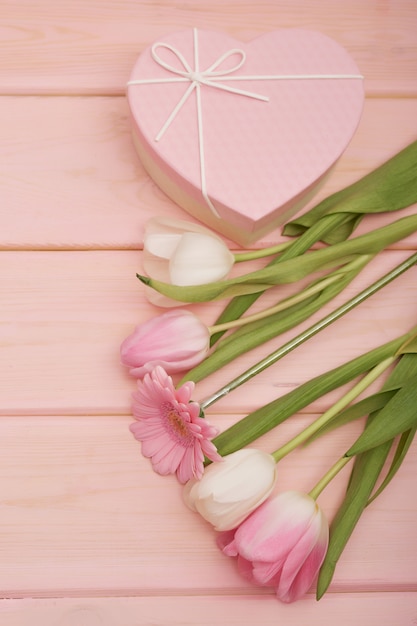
(89, 535)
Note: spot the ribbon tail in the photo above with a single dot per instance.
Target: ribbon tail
(175, 111)
(201, 153)
(239, 92)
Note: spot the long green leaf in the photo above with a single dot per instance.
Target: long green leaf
(403, 446)
(367, 465)
(274, 413)
(238, 305)
(335, 218)
(292, 269)
(400, 375)
(397, 416)
(354, 412)
(390, 187)
(259, 332)
(410, 346)
(365, 474)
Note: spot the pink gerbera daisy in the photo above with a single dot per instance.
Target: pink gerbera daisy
(168, 424)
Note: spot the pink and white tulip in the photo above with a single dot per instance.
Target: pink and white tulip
(176, 340)
(230, 490)
(282, 544)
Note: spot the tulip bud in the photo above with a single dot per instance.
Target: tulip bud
(184, 254)
(231, 489)
(282, 544)
(176, 340)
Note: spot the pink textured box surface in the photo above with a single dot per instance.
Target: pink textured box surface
(241, 134)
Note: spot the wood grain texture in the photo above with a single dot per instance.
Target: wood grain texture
(89, 535)
(83, 514)
(378, 609)
(72, 179)
(89, 47)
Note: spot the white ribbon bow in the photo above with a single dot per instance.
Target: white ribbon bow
(211, 77)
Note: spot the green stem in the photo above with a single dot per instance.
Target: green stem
(310, 332)
(251, 255)
(281, 306)
(238, 305)
(328, 415)
(333, 471)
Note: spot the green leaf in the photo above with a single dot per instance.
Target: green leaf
(409, 346)
(390, 187)
(404, 444)
(400, 375)
(238, 305)
(369, 465)
(397, 416)
(269, 416)
(258, 332)
(365, 474)
(331, 221)
(293, 269)
(356, 411)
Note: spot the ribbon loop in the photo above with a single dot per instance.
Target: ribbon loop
(209, 71)
(167, 66)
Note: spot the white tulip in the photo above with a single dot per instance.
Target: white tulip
(232, 488)
(184, 254)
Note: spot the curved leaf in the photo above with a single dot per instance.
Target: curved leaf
(259, 332)
(238, 305)
(390, 187)
(356, 411)
(293, 269)
(397, 416)
(271, 415)
(404, 443)
(365, 474)
(369, 464)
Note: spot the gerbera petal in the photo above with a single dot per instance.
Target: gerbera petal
(170, 428)
(184, 393)
(187, 468)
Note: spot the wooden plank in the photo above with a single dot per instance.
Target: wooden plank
(378, 609)
(89, 535)
(84, 514)
(90, 47)
(71, 177)
(65, 314)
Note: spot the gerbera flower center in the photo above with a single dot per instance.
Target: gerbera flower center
(176, 425)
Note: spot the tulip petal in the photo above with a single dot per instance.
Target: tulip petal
(281, 544)
(231, 489)
(245, 568)
(183, 253)
(176, 341)
(225, 542)
(306, 574)
(162, 236)
(199, 259)
(275, 527)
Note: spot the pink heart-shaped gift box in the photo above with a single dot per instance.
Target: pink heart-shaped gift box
(241, 135)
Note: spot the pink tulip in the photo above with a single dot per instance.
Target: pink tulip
(176, 340)
(282, 544)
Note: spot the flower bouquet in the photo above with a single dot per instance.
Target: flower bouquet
(280, 539)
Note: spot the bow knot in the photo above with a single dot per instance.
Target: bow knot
(196, 75)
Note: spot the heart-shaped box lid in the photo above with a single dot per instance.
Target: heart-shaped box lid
(241, 135)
